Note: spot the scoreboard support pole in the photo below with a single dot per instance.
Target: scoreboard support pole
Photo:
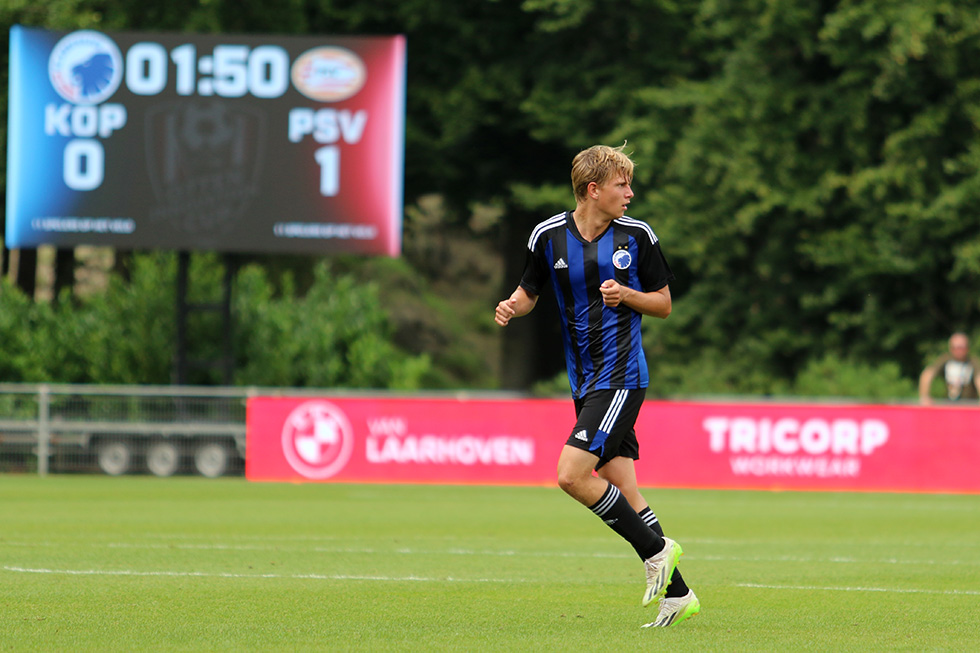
(183, 363)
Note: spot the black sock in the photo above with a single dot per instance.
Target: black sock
(616, 512)
(677, 586)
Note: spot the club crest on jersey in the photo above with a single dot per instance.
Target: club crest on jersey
(621, 259)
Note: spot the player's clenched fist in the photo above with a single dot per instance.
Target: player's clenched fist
(505, 310)
(519, 303)
(612, 293)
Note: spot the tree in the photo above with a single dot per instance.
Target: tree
(811, 167)
(823, 191)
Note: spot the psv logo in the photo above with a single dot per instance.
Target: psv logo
(317, 439)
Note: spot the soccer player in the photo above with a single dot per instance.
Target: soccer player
(607, 271)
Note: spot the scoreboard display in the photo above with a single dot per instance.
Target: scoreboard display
(205, 142)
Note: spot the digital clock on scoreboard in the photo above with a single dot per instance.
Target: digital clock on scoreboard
(231, 143)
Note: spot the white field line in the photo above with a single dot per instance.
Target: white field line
(276, 541)
(203, 574)
(508, 553)
(814, 588)
(833, 560)
(321, 549)
(449, 579)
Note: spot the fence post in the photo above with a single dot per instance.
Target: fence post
(43, 429)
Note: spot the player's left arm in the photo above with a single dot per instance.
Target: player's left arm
(655, 303)
(653, 296)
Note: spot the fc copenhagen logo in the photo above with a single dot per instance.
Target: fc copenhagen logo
(621, 259)
(85, 67)
(328, 74)
(317, 439)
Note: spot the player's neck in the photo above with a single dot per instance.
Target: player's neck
(590, 222)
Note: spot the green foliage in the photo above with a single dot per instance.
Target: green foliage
(832, 377)
(117, 337)
(557, 386)
(20, 318)
(336, 335)
(711, 373)
(812, 170)
(438, 293)
(124, 335)
(127, 334)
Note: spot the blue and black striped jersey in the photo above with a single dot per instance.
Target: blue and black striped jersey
(603, 347)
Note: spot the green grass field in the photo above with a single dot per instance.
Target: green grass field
(126, 564)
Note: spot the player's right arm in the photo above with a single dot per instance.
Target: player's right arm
(519, 303)
(537, 269)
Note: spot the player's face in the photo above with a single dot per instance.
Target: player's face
(614, 196)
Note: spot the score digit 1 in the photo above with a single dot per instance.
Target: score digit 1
(329, 159)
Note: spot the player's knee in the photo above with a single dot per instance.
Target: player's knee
(565, 483)
(569, 480)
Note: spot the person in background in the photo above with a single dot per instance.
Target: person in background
(958, 370)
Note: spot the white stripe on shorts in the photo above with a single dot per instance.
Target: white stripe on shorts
(612, 414)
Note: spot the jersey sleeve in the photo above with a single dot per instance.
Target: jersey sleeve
(536, 269)
(654, 271)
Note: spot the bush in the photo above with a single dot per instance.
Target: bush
(832, 377)
(336, 335)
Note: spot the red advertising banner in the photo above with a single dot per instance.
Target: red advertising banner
(405, 440)
(682, 444)
(812, 447)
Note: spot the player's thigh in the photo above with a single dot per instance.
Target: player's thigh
(575, 463)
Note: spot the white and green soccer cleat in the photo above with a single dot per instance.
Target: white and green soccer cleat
(659, 570)
(675, 610)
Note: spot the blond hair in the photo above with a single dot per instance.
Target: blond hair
(599, 164)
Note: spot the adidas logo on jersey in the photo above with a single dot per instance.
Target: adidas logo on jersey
(560, 264)
(582, 435)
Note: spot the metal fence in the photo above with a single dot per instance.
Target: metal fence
(161, 430)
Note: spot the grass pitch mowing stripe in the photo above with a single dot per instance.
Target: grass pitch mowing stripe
(106, 564)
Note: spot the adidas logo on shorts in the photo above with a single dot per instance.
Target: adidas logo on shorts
(582, 435)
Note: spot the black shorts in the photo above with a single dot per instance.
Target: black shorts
(605, 421)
